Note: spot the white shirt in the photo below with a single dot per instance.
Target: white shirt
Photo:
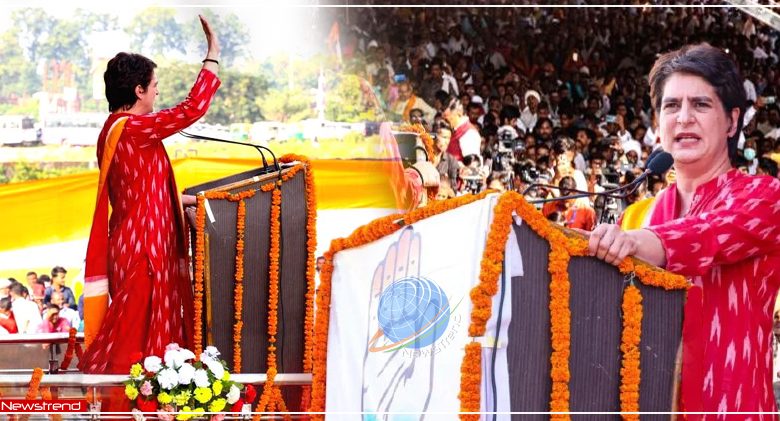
(28, 318)
(470, 142)
(71, 316)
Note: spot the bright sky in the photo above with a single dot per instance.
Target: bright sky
(274, 26)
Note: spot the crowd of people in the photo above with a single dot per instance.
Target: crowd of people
(558, 96)
(42, 304)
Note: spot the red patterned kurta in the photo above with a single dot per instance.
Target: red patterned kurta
(151, 295)
(729, 244)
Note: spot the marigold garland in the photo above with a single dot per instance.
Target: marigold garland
(35, 384)
(200, 226)
(66, 360)
(630, 372)
(46, 394)
(427, 141)
(470, 378)
(373, 231)
(238, 294)
(271, 396)
(563, 246)
(311, 251)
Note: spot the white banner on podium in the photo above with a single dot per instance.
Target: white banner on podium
(399, 318)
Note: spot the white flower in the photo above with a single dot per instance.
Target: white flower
(168, 378)
(211, 352)
(215, 367)
(233, 395)
(201, 378)
(138, 415)
(176, 357)
(186, 373)
(152, 363)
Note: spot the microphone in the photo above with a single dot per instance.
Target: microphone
(659, 164)
(259, 149)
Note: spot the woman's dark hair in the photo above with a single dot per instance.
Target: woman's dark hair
(712, 65)
(123, 73)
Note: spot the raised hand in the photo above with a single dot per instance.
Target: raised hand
(212, 41)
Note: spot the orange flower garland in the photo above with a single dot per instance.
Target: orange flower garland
(311, 250)
(69, 350)
(200, 225)
(560, 330)
(35, 384)
(630, 373)
(270, 395)
(366, 234)
(238, 294)
(46, 394)
(470, 378)
(563, 245)
(427, 141)
(426, 138)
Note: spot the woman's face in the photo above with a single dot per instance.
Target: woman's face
(693, 124)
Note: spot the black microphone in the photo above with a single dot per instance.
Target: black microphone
(659, 164)
(259, 149)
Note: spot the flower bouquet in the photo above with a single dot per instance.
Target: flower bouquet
(179, 386)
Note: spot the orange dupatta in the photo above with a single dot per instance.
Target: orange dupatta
(96, 271)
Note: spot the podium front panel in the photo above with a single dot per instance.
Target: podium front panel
(596, 290)
(219, 277)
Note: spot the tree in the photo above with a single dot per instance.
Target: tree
(155, 32)
(16, 72)
(233, 36)
(96, 22)
(33, 26)
(346, 102)
(235, 101)
(286, 105)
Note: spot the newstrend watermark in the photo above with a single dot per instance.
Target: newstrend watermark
(43, 406)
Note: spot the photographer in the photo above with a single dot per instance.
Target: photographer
(445, 163)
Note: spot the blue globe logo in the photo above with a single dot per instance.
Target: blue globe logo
(414, 312)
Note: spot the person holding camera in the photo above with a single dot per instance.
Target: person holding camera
(445, 163)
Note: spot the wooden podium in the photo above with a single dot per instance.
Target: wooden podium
(219, 267)
(525, 282)
(596, 324)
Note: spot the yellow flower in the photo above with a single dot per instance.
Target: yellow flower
(182, 415)
(217, 388)
(198, 410)
(183, 397)
(202, 394)
(136, 370)
(217, 406)
(131, 392)
(164, 398)
(226, 376)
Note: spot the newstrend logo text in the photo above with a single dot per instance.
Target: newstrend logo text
(36, 406)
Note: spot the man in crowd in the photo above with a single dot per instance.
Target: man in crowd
(26, 313)
(58, 274)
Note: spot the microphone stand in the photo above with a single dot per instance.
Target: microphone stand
(259, 148)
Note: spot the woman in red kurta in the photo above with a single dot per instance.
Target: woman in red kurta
(144, 256)
(716, 226)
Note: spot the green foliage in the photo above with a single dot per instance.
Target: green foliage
(16, 72)
(28, 107)
(233, 36)
(235, 101)
(26, 171)
(33, 26)
(286, 105)
(155, 32)
(346, 102)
